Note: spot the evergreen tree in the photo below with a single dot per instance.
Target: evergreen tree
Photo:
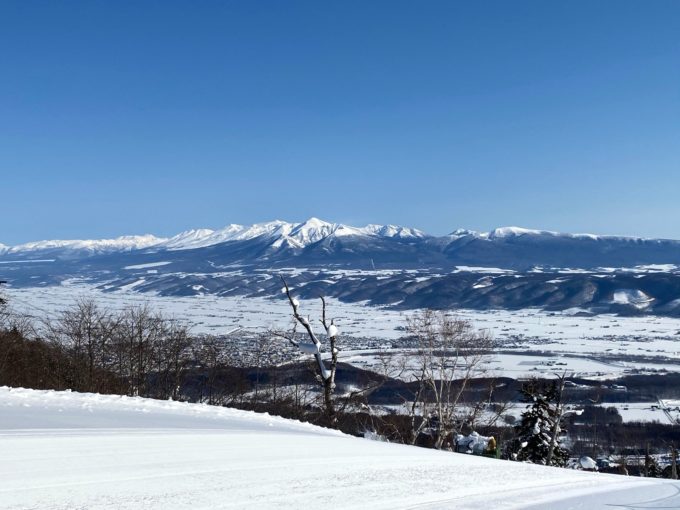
(652, 468)
(534, 434)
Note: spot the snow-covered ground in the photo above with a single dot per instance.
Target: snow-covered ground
(520, 365)
(642, 411)
(217, 314)
(64, 450)
(600, 346)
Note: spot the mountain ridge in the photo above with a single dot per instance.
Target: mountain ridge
(508, 268)
(296, 235)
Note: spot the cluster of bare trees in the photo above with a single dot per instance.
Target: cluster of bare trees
(137, 351)
(449, 353)
(145, 353)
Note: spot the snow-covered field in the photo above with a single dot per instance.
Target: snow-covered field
(590, 346)
(216, 314)
(641, 411)
(64, 450)
(522, 365)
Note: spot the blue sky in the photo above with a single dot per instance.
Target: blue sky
(159, 116)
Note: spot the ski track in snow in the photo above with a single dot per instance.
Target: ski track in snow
(64, 450)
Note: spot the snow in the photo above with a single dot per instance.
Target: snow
(482, 284)
(633, 297)
(587, 463)
(64, 450)
(282, 234)
(123, 243)
(308, 347)
(508, 232)
(482, 270)
(131, 286)
(394, 231)
(463, 232)
(189, 239)
(641, 412)
(32, 261)
(149, 265)
(504, 232)
(652, 268)
(557, 340)
(473, 443)
(278, 233)
(309, 232)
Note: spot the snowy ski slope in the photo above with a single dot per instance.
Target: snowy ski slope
(64, 450)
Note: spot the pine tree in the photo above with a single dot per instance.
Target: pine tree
(652, 469)
(534, 434)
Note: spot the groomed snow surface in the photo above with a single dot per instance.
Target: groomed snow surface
(63, 450)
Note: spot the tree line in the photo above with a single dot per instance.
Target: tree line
(135, 351)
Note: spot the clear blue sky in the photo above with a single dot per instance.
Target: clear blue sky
(158, 116)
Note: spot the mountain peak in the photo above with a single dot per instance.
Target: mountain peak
(508, 232)
(460, 232)
(503, 232)
(315, 222)
(188, 237)
(308, 232)
(394, 231)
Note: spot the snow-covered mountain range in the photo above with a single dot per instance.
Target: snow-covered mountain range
(83, 247)
(510, 247)
(279, 233)
(509, 267)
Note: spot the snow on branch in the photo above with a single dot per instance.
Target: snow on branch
(314, 345)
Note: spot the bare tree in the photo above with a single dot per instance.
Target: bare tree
(4, 311)
(11, 320)
(312, 345)
(221, 382)
(137, 335)
(561, 412)
(449, 354)
(172, 356)
(84, 330)
(258, 357)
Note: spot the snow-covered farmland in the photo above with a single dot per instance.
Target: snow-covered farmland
(598, 346)
(211, 313)
(64, 450)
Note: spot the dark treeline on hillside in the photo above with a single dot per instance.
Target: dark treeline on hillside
(135, 352)
(34, 363)
(139, 352)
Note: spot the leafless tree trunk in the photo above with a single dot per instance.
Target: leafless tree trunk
(209, 352)
(559, 414)
(674, 462)
(171, 359)
(85, 331)
(326, 376)
(450, 354)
